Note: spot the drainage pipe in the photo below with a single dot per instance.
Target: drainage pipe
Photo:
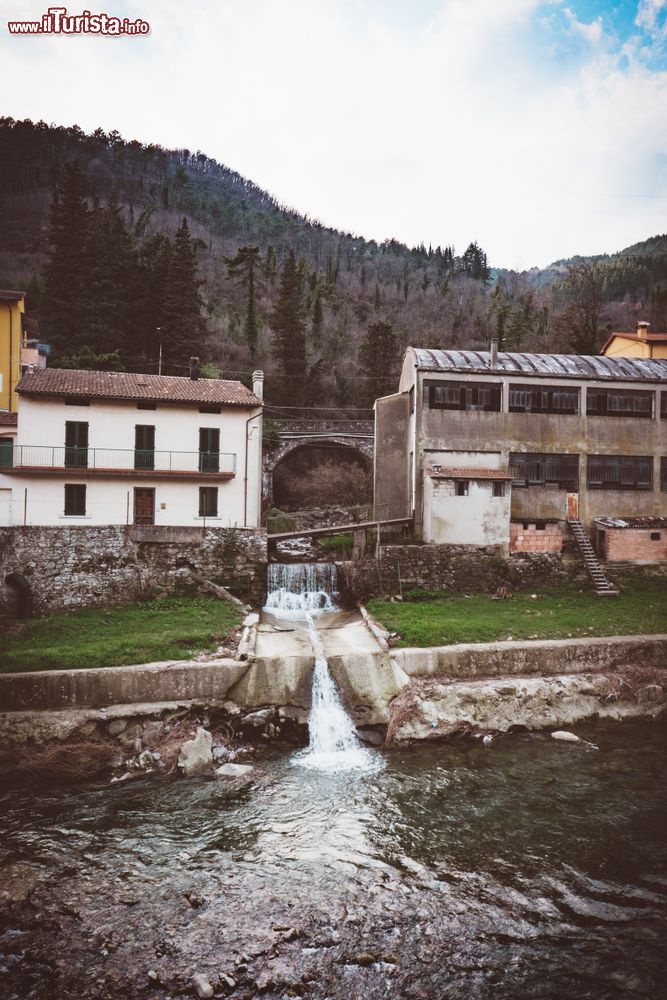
(18, 583)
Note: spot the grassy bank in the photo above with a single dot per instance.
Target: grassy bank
(424, 619)
(171, 628)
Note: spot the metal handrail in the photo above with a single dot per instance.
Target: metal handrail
(123, 459)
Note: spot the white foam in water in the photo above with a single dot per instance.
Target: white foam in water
(302, 591)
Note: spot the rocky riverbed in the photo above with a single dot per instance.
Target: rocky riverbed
(526, 867)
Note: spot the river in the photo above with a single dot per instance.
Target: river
(528, 868)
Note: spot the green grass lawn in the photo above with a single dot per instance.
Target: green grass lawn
(170, 628)
(440, 620)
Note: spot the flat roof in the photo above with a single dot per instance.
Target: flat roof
(632, 522)
(130, 386)
(468, 474)
(574, 366)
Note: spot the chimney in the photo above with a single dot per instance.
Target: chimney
(493, 360)
(643, 329)
(258, 383)
(194, 369)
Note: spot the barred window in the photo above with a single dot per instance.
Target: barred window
(449, 395)
(543, 399)
(619, 403)
(540, 469)
(620, 472)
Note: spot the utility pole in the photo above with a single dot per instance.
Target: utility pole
(159, 361)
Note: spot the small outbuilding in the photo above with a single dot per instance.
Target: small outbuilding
(467, 506)
(631, 539)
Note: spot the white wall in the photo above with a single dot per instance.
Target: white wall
(112, 426)
(476, 519)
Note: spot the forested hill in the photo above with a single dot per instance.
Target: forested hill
(125, 247)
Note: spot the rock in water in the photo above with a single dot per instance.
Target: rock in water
(234, 771)
(196, 757)
(202, 986)
(562, 734)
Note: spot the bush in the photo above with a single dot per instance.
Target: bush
(277, 521)
(331, 483)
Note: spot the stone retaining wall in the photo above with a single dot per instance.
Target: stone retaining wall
(463, 568)
(72, 567)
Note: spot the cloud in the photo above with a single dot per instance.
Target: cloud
(517, 123)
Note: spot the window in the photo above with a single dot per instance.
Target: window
(536, 469)
(462, 488)
(76, 444)
(208, 501)
(543, 399)
(75, 500)
(620, 472)
(499, 489)
(619, 403)
(77, 401)
(209, 449)
(663, 404)
(144, 446)
(655, 536)
(663, 475)
(463, 396)
(6, 453)
(145, 405)
(210, 408)
(411, 399)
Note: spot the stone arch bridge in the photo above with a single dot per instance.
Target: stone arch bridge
(357, 436)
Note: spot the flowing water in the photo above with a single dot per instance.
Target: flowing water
(299, 592)
(528, 869)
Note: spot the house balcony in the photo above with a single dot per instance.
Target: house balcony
(84, 463)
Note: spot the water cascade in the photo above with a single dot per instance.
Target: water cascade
(301, 591)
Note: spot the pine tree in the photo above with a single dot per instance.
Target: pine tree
(318, 319)
(183, 327)
(243, 267)
(66, 278)
(378, 360)
(288, 326)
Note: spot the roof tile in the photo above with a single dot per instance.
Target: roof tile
(130, 386)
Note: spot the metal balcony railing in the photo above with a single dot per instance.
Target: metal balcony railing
(123, 459)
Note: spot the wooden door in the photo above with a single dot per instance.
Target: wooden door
(573, 506)
(76, 444)
(144, 505)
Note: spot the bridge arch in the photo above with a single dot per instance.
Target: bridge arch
(353, 444)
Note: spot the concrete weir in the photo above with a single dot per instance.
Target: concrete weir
(416, 693)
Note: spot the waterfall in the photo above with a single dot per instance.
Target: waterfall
(302, 591)
(299, 587)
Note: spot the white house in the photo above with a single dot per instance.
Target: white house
(103, 448)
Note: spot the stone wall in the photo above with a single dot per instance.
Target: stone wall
(84, 567)
(462, 568)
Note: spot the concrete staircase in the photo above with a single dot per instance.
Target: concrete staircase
(603, 588)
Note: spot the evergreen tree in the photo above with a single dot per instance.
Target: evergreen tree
(378, 360)
(243, 267)
(183, 329)
(66, 276)
(289, 339)
(318, 319)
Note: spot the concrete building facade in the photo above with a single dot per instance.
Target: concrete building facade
(110, 448)
(578, 436)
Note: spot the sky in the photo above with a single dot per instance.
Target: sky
(536, 127)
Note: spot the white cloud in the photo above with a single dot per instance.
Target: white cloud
(455, 125)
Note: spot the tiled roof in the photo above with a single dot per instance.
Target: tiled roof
(7, 295)
(8, 419)
(124, 385)
(468, 474)
(577, 366)
(647, 338)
